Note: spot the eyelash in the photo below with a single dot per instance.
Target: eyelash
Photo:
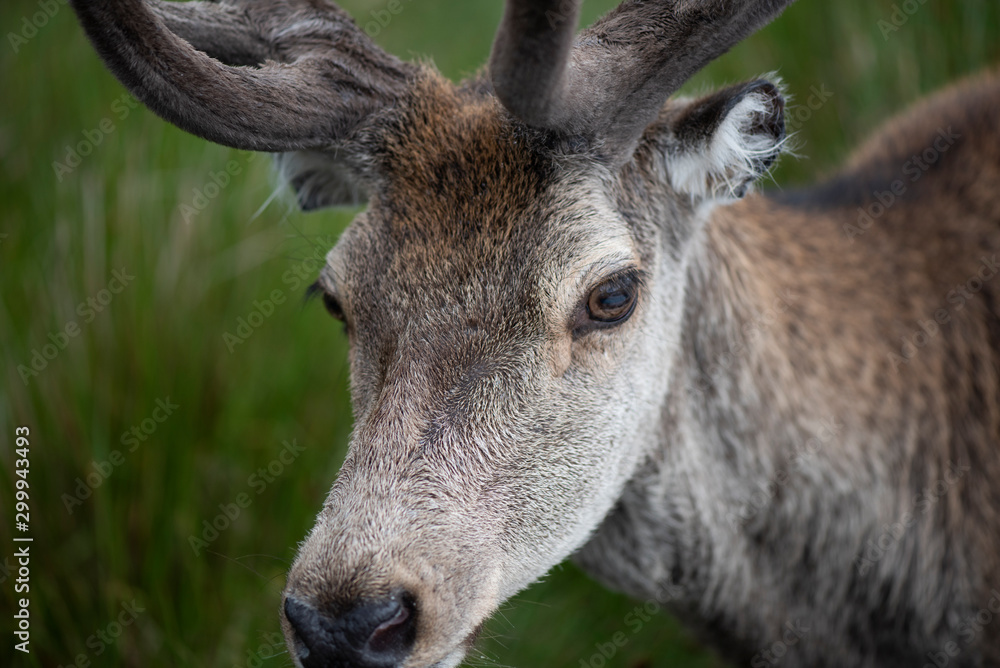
(330, 302)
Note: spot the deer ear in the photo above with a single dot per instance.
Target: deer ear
(718, 145)
(320, 179)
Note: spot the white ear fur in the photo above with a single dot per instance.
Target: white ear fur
(319, 179)
(723, 162)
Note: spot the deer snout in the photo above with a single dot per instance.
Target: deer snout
(372, 634)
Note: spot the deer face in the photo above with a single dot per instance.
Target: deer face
(499, 309)
(512, 312)
(513, 293)
(496, 413)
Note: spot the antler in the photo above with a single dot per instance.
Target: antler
(222, 30)
(319, 76)
(610, 85)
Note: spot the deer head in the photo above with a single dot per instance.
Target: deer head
(512, 293)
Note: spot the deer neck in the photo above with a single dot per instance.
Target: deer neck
(736, 418)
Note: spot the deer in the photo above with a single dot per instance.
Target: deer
(579, 330)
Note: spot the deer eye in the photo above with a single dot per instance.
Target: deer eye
(611, 302)
(333, 306)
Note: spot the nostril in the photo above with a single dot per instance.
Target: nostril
(395, 635)
(310, 628)
(373, 634)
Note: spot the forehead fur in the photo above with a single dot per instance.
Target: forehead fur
(470, 193)
(481, 241)
(457, 159)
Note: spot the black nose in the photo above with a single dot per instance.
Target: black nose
(373, 634)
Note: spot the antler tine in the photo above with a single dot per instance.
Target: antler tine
(623, 68)
(529, 58)
(311, 102)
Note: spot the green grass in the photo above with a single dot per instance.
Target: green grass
(162, 336)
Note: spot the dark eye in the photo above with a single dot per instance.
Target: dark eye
(333, 306)
(613, 301)
(329, 301)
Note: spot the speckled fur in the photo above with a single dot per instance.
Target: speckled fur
(834, 311)
(489, 446)
(741, 448)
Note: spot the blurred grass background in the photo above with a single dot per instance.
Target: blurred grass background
(161, 338)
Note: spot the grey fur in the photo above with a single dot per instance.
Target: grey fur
(744, 448)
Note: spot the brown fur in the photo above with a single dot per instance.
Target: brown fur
(904, 421)
(500, 427)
